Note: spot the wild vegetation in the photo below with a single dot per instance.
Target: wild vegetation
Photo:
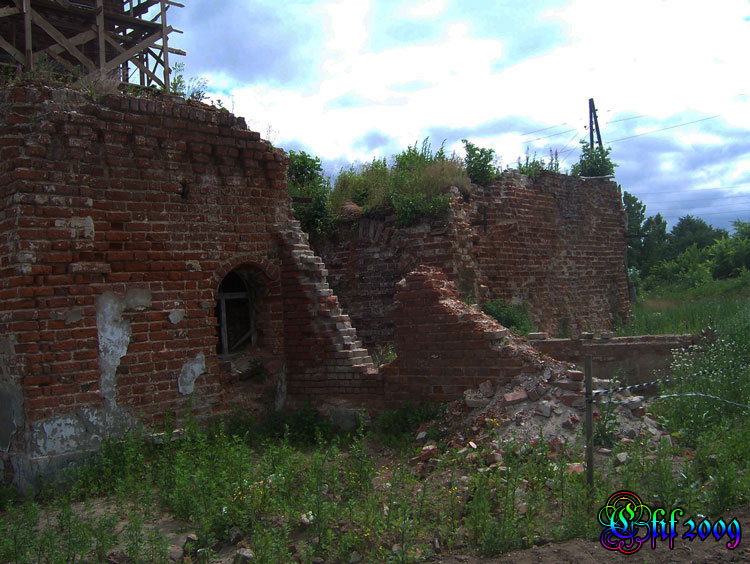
(413, 186)
(293, 489)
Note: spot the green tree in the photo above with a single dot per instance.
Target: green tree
(655, 243)
(480, 164)
(730, 255)
(306, 180)
(636, 214)
(691, 231)
(593, 162)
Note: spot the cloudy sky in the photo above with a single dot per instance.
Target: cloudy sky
(355, 79)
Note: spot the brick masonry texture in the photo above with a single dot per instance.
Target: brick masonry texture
(119, 219)
(444, 346)
(633, 360)
(556, 241)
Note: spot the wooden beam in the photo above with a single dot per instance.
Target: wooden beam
(5, 12)
(165, 47)
(79, 39)
(68, 66)
(127, 55)
(100, 35)
(50, 30)
(15, 53)
(142, 8)
(28, 55)
(134, 60)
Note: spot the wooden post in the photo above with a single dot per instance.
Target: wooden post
(596, 126)
(29, 54)
(164, 45)
(589, 425)
(100, 31)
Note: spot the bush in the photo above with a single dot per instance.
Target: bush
(305, 178)
(480, 164)
(414, 187)
(515, 318)
(593, 162)
(532, 167)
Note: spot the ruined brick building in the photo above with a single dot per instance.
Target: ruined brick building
(555, 243)
(149, 264)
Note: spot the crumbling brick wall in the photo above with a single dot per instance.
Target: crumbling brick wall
(444, 346)
(119, 220)
(555, 241)
(632, 360)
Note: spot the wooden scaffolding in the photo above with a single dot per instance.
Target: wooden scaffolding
(125, 40)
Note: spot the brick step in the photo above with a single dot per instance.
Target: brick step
(570, 385)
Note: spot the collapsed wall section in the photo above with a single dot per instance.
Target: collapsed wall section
(444, 347)
(556, 242)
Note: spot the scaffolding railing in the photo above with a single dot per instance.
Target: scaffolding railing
(125, 40)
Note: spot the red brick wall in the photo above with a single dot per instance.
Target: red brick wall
(444, 347)
(556, 241)
(119, 219)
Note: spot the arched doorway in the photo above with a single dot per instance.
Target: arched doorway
(234, 313)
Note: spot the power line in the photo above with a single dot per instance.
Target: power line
(728, 212)
(624, 119)
(543, 129)
(552, 135)
(720, 197)
(664, 129)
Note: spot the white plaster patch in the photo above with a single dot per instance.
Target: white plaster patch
(176, 315)
(190, 372)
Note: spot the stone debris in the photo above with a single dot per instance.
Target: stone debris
(243, 555)
(552, 402)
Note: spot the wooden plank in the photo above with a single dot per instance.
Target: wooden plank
(100, 34)
(165, 46)
(132, 22)
(61, 39)
(134, 60)
(79, 39)
(5, 12)
(15, 53)
(127, 55)
(28, 55)
(62, 61)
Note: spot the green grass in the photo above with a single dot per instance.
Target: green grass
(689, 310)
(366, 491)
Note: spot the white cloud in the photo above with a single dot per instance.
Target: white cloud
(425, 9)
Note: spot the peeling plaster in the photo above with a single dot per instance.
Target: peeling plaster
(11, 396)
(11, 412)
(177, 315)
(83, 430)
(190, 372)
(70, 317)
(114, 334)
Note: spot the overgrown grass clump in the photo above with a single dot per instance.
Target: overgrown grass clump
(413, 187)
(680, 309)
(514, 317)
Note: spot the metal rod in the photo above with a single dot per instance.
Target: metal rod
(589, 425)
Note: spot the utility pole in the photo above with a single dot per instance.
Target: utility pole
(594, 124)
